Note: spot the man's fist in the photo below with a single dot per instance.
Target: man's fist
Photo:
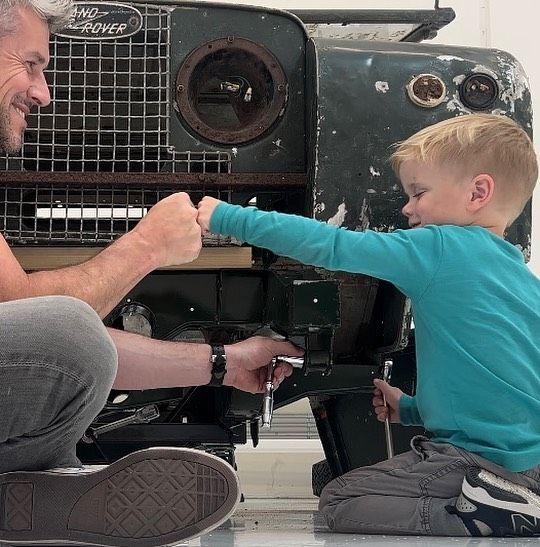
(170, 228)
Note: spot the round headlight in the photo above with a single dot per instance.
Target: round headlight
(230, 90)
(478, 91)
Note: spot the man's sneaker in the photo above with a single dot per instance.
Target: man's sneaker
(492, 506)
(158, 496)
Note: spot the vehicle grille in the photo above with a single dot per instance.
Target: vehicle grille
(110, 109)
(80, 215)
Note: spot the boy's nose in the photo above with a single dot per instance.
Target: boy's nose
(407, 209)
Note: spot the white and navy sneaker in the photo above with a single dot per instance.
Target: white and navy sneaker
(492, 506)
(158, 496)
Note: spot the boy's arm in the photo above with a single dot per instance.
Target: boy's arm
(408, 411)
(401, 257)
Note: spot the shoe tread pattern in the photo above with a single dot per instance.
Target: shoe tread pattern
(18, 502)
(152, 498)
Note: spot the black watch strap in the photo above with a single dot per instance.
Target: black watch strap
(218, 359)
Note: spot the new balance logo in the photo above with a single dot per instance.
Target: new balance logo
(525, 524)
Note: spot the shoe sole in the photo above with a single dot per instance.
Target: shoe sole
(158, 496)
(530, 504)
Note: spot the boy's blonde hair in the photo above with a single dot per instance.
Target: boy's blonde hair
(474, 144)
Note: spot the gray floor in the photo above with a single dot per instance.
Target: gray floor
(286, 522)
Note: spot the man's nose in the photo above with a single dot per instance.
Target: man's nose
(39, 91)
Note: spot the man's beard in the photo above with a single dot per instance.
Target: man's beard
(10, 141)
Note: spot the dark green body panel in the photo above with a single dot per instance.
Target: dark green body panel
(284, 36)
(363, 108)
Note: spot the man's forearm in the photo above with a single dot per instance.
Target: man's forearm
(168, 234)
(103, 280)
(145, 363)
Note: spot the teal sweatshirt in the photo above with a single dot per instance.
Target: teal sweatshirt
(476, 309)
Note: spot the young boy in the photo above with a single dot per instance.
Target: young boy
(476, 310)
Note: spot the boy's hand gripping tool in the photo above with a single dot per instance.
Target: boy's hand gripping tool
(387, 373)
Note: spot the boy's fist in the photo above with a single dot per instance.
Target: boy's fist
(206, 207)
(382, 391)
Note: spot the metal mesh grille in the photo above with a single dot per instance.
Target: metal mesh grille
(77, 215)
(110, 108)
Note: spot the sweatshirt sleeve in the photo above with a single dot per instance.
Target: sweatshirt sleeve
(408, 411)
(406, 258)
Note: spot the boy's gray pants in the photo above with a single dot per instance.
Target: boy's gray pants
(408, 494)
(57, 366)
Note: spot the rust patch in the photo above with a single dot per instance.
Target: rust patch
(426, 90)
(150, 180)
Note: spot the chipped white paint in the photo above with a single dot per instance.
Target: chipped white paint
(458, 79)
(382, 87)
(486, 70)
(278, 147)
(449, 58)
(371, 191)
(526, 251)
(334, 131)
(234, 151)
(517, 81)
(339, 218)
(374, 172)
(364, 216)
(455, 104)
(361, 31)
(319, 207)
(316, 194)
(384, 228)
(499, 111)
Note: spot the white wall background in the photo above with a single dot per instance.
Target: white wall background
(510, 26)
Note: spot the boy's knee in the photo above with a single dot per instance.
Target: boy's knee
(329, 502)
(328, 494)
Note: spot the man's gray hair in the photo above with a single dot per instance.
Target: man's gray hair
(57, 13)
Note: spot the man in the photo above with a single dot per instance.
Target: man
(58, 362)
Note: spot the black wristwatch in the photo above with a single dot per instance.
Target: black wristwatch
(218, 359)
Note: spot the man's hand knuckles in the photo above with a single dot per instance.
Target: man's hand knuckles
(181, 196)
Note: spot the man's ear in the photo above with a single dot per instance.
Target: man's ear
(482, 191)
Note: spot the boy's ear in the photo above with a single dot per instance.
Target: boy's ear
(483, 188)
